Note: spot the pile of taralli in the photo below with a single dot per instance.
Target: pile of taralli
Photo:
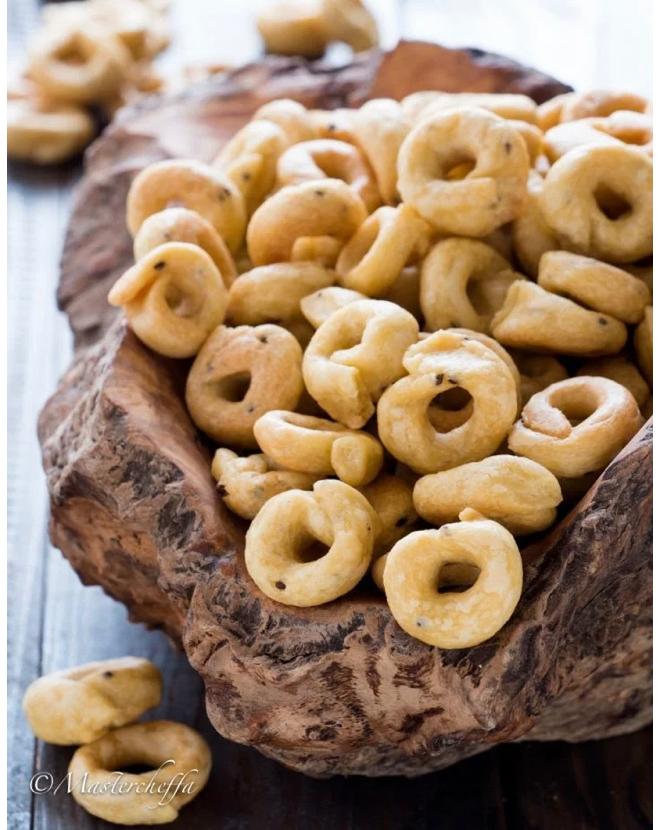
(416, 327)
(94, 707)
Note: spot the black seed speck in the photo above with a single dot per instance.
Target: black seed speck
(603, 321)
(401, 522)
(280, 585)
(251, 408)
(438, 380)
(319, 192)
(222, 490)
(160, 265)
(454, 381)
(246, 177)
(508, 147)
(108, 674)
(331, 128)
(263, 338)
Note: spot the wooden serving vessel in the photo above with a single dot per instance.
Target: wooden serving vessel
(339, 688)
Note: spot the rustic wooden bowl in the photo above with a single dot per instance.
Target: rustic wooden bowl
(340, 688)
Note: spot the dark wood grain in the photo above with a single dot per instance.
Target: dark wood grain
(55, 622)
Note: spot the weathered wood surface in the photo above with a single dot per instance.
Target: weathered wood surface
(336, 689)
(54, 621)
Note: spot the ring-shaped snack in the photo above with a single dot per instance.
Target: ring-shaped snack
(531, 236)
(391, 498)
(374, 257)
(595, 284)
(453, 574)
(454, 619)
(294, 27)
(183, 225)
(239, 374)
(598, 200)
(328, 207)
(272, 294)
(643, 343)
(176, 754)
(319, 306)
(351, 22)
(537, 371)
(307, 444)
(43, 131)
(77, 705)
(494, 190)
(380, 127)
(78, 66)
(291, 116)
(443, 362)
(509, 106)
(189, 184)
(535, 319)
(621, 370)
(354, 355)
(620, 127)
(250, 158)
(600, 103)
(606, 417)
(327, 158)
(245, 484)
(173, 298)
(278, 541)
(517, 492)
(463, 282)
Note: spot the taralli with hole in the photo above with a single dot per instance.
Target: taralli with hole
(327, 158)
(607, 417)
(537, 371)
(355, 355)
(374, 257)
(643, 342)
(173, 298)
(454, 619)
(517, 492)
(453, 574)
(78, 705)
(250, 158)
(328, 207)
(78, 66)
(391, 499)
(45, 131)
(595, 284)
(531, 236)
(380, 127)
(183, 225)
(335, 515)
(463, 283)
(190, 184)
(535, 319)
(597, 199)
(240, 374)
(492, 193)
(245, 484)
(319, 306)
(272, 294)
(441, 363)
(351, 22)
(599, 103)
(308, 444)
(175, 753)
(291, 116)
(622, 371)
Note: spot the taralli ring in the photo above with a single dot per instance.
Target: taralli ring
(319, 306)
(490, 194)
(516, 492)
(291, 116)
(245, 484)
(454, 619)
(174, 752)
(597, 199)
(380, 127)
(374, 257)
(173, 298)
(355, 355)
(326, 158)
(442, 363)
(45, 131)
(78, 705)
(463, 283)
(328, 207)
(621, 370)
(606, 415)
(190, 184)
(595, 284)
(239, 374)
(535, 319)
(279, 546)
(183, 225)
(313, 445)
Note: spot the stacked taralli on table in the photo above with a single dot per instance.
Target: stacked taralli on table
(388, 256)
